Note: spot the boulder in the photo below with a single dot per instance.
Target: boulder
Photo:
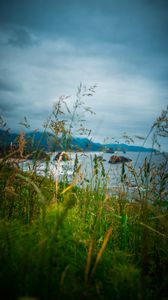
(115, 159)
(109, 150)
(64, 157)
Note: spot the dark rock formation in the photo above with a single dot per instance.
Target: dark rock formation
(64, 157)
(109, 150)
(115, 159)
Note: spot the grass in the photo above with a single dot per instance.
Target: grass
(85, 244)
(77, 240)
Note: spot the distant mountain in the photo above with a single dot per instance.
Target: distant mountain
(87, 145)
(47, 142)
(125, 148)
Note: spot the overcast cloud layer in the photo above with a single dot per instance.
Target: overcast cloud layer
(48, 47)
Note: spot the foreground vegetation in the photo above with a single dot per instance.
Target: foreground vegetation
(76, 239)
(78, 244)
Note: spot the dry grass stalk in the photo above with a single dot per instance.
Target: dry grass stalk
(70, 186)
(56, 179)
(88, 263)
(22, 143)
(63, 277)
(99, 255)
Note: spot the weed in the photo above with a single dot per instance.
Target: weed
(72, 240)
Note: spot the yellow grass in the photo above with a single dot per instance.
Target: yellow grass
(99, 255)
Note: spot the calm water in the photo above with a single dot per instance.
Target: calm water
(86, 161)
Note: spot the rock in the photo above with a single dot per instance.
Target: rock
(64, 157)
(115, 159)
(109, 150)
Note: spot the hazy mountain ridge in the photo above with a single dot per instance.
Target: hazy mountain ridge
(48, 142)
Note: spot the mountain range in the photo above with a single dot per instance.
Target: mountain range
(47, 142)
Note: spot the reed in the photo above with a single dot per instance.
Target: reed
(88, 243)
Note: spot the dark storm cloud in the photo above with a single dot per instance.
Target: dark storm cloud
(21, 38)
(10, 106)
(119, 20)
(10, 89)
(120, 44)
(134, 31)
(7, 83)
(7, 86)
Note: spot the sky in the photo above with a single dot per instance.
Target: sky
(47, 48)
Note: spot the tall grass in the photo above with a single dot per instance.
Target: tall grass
(76, 240)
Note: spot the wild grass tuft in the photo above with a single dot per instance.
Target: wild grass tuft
(75, 238)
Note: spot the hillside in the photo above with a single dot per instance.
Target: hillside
(48, 142)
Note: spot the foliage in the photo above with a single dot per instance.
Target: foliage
(77, 239)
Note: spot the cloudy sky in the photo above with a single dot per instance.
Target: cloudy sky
(48, 47)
